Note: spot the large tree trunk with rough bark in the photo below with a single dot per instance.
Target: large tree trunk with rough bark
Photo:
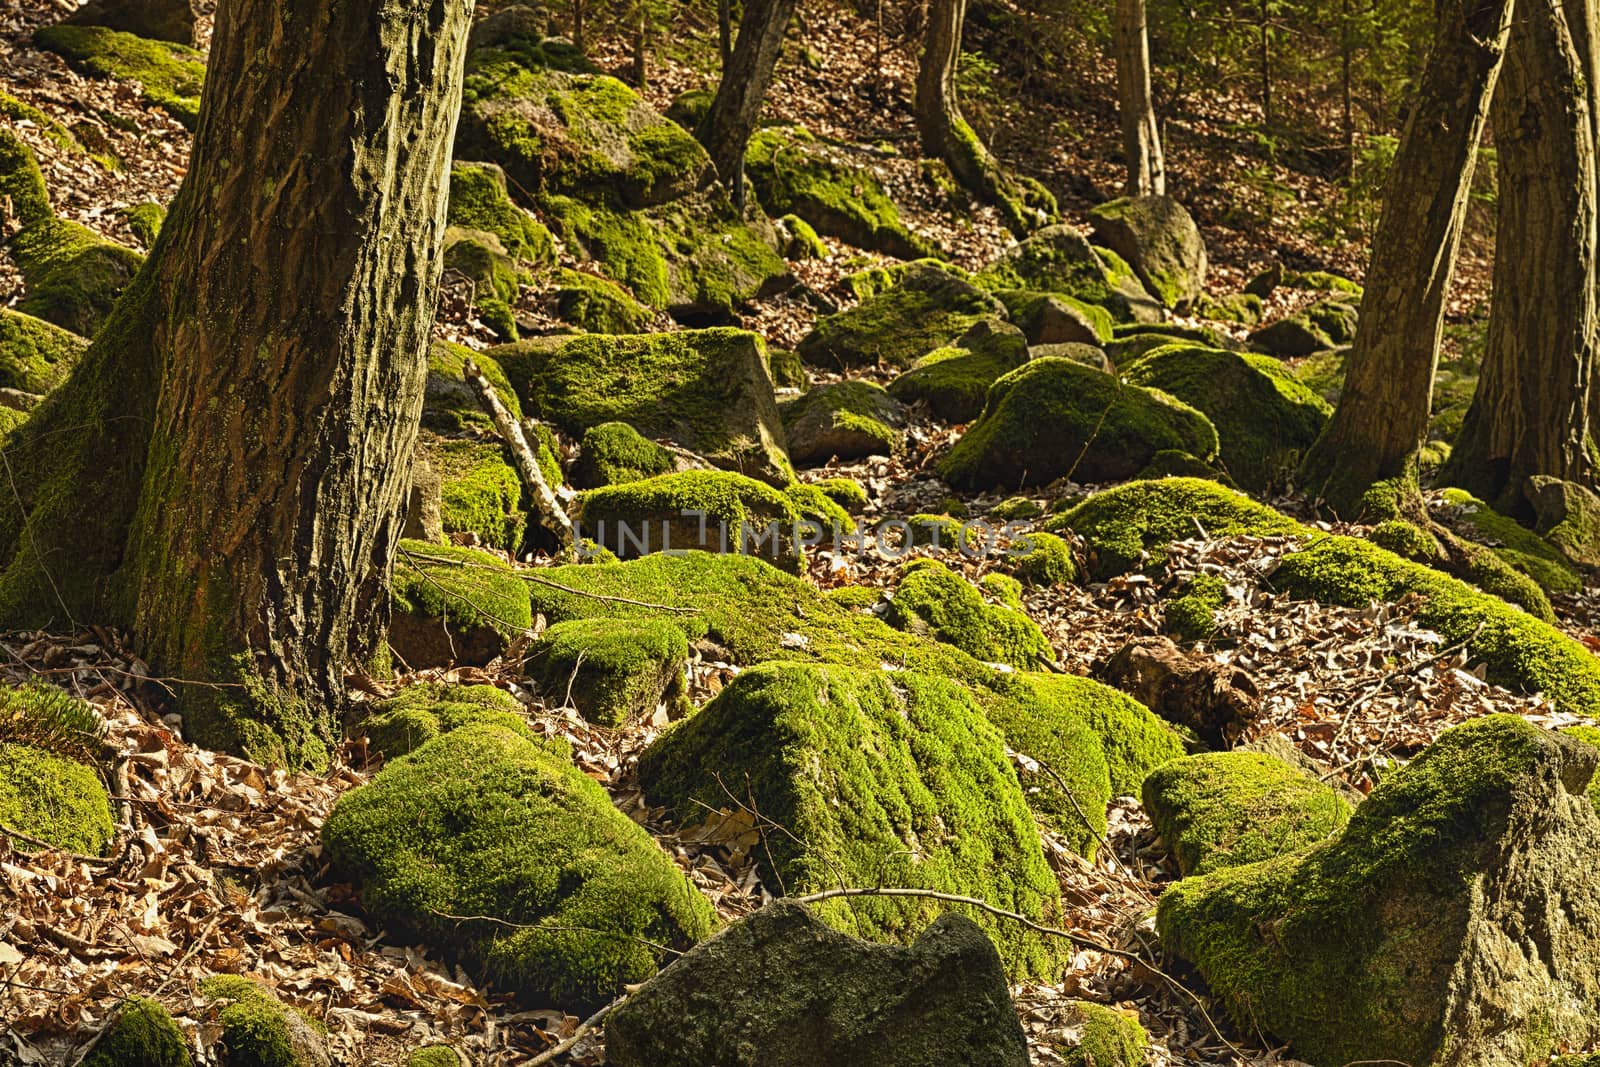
(1382, 417)
(1141, 137)
(1534, 411)
(745, 78)
(946, 134)
(224, 473)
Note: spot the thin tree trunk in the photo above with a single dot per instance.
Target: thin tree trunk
(1534, 409)
(725, 32)
(732, 118)
(1141, 138)
(641, 45)
(224, 474)
(1266, 65)
(577, 23)
(1382, 417)
(1347, 95)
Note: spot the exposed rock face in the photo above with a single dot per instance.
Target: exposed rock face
(1455, 921)
(1569, 518)
(159, 20)
(782, 989)
(1160, 241)
(846, 420)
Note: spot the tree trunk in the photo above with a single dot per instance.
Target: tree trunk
(224, 473)
(1382, 417)
(578, 10)
(946, 134)
(641, 46)
(732, 118)
(1534, 409)
(725, 32)
(1266, 65)
(1141, 138)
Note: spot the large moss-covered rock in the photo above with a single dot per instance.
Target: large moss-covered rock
(599, 305)
(423, 711)
(159, 20)
(1056, 319)
(1055, 417)
(743, 996)
(844, 420)
(708, 390)
(954, 381)
(1057, 259)
(1452, 922)
(71, 276)
(795, 172)
(926, 307)
(1518, 546)
(614, 452)
(1265, 419)
(1133, 739)
(53, 798)
(454, 606)
(1227, 809)
(479, 201)
(1324, 325)
(169, 74)
(880, 778)
(612, 670)
(478, 257)
(1160, 241)
(708, 511)
(592, 902)
(143, 1035)
(449, 404)
(22, 182)
(479, 492)
(256, 1029)
(932, 599)
(1568, 517)
(35, 356)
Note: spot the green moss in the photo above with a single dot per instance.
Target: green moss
(1322, 281)
(599, 305)
(1323, 373)
(1026, 309)
(1243, 309)
(423, 711)
(1265, 419)
(22, 181)
(35, 356)
(1121, 526)
(1110, 1039)
(1325, 324)
(1171, 463)
(258, 1030)
(145, 221)
(815, 505)
(788, 369)
(802, 241)
(1053, 417)
(55, 799)
(472, 590)
(931, 599)
(613, 453)
(937, 531)
(59, 135)
(845, 419)
(1016, 508)
(1193, 616)
(169, 74)
(879, 778)
(1517, 545)
(723, 509)
(855, 597)
(954, 382)
(846, 492)
(450, 405)
(479, 492)
(1059, 260)
(1043, 559)
(1227, 809)
(611, 670)
(592, 896)
(71, 276)
(479, 257)
(689, 108)
(925, 308)
(144, 1035)
(796, 173)
(872, 281)
(1407, 540)
(479, 201)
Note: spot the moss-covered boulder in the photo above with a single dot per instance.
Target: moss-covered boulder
(143, 1035)
(1518, 546)
(788, 370)
(799, 240)
(450, 405)
(1452, 921)
(479, 201)
(795, 172)
(1192, 615)
(169, 74)
(1158, 238)
(161, 20)
(1057, 259)
(1122, 526)
(613, 453)
(612, 670)
(35, 356)
(1055, 318)
(1241, 309)
(1568, 517)
(1133, 739)
(881, 778)
(1326, 324)
(1043, 560)
(708, 390)
(710, 511)
(599, 305)
(744, 995)
(22, 182)
(479, 492)
(1054, 417)
(454, 606)
(954, 381)
(925, 308)
(53, 798)
(421, 712)
(1227, 809)
(844, 420)
(1106, 1037)
(1265, 419)
(479, 258)
(585, 901)
(71, 276)
(259, 1030)
(933, 600)
(846, 492)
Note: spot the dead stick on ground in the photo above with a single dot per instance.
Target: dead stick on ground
(549, 1055)
(544, 497)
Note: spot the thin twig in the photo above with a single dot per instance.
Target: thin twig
(49, 849)
(549, 1055)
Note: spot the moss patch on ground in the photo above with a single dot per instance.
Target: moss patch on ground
(421, 712)
(1043, 560)
(592, 895)
(54, 798)
(1110, 1038)
(144, 1035)
(257, 1029)
(1193, 615)
(170, 74)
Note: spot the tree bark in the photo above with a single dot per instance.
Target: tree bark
(745, 79)
(224, 474)
(1382, 417)
(1141, 137)
(946, 134)
(1534, 410)
(725, 32)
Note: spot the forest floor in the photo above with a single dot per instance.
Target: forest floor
(219, 867)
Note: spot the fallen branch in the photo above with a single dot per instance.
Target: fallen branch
(77, 857)
(549, 1055)
(544, 498)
